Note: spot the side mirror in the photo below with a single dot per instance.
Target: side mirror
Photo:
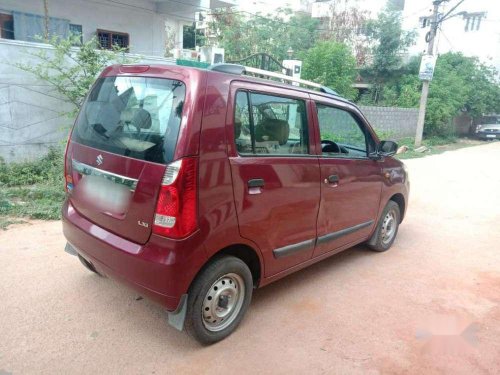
(384, 149)
(387, 148)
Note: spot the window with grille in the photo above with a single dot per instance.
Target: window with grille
(108, 39)
(76, 30)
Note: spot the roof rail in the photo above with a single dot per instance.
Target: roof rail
(240, 70)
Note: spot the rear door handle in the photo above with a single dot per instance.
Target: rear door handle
(256, 183)
(332, 179)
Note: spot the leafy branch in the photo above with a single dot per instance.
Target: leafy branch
(71, 67)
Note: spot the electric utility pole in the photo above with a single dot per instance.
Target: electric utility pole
(473, 22)
(425, 84)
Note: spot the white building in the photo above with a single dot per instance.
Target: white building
(144, 26)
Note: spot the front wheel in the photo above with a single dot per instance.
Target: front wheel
(218, 299)
(387, 228)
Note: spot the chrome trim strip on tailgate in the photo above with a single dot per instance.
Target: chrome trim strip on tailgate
(84, 169)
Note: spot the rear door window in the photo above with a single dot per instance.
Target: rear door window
(268, 124)
(137, 117)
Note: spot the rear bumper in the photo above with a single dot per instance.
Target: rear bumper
(160, 270)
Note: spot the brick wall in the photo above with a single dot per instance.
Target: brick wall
(393, 122)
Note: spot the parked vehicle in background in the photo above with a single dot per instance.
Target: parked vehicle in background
(197, 186)
(489, 128)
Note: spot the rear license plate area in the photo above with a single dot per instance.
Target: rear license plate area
(103, 195)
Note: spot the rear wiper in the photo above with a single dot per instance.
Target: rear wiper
(99, 129)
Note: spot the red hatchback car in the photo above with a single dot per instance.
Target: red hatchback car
(196, 186)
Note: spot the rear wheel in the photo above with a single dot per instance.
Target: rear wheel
(387, 228)
(218, 299)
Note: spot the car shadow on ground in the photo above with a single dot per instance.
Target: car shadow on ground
(156, 326)
(310, 274)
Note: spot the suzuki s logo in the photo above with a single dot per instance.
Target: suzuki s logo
(99, 159)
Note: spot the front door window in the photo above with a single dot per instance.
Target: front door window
(341, 134)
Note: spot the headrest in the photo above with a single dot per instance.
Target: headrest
(272, 130)
(138, 117)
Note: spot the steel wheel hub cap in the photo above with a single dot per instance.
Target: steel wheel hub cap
(223, 302)
(389, 226)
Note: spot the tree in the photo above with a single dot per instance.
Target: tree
(345, 23)
(331, 64)
(389, 42)
(242, 34)
(460, 83)
(72, 67)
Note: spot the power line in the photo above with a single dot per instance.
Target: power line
(448, 40)
(415, 13)
(443, 18)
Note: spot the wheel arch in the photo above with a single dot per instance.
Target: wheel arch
(400, 200)
(241, 251)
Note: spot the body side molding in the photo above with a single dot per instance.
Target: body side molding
(343, 232)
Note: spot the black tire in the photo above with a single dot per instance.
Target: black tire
(88, 265)
(222, 270)
(379, 240)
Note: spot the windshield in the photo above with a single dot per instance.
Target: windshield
(491, 120)
(137, 117)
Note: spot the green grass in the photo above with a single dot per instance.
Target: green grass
(5, 222)
(33, 190)
(435, 145)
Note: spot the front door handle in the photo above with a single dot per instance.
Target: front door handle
(332, 180)
(255, 186)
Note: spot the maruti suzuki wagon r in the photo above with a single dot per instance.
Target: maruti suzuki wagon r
(196, 186)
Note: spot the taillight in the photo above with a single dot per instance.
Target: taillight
(176, 209)
(68, 168)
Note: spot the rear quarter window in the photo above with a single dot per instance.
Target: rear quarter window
(138, 117)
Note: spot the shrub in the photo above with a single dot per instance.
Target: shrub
(32, 189)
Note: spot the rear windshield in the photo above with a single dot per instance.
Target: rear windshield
(137, 117)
